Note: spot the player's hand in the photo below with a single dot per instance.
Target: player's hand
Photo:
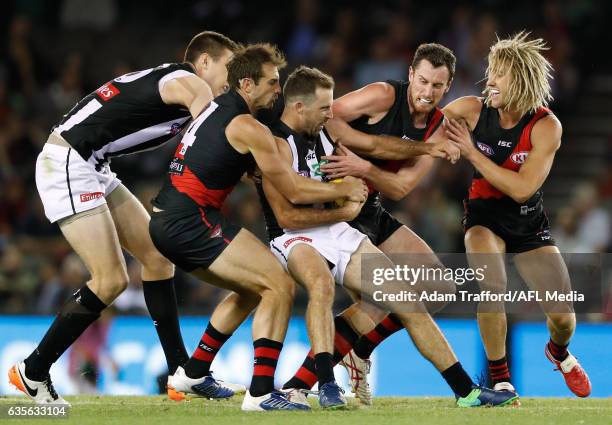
(350, 210)
(444, 149)
(459, 134)
(345, 163)
(355, 189)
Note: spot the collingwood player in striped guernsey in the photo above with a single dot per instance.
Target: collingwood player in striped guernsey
(98, 215)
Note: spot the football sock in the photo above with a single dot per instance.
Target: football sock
(210, 344)
(368, 342)
(325, 368)
(559, 352)
(266, 358)
(80, 311)
(344, 339)
(161, 303)
(459, 381)
(498, 370)
(306, 376)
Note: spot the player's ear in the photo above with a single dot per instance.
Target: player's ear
(299, 107)
(246, 84)
(410, 74)
(204, 61)
(448, 86)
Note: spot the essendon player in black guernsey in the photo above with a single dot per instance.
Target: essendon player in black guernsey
(98, 215)
(223, 143)
(515, 137)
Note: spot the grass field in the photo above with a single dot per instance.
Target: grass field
(386, 410)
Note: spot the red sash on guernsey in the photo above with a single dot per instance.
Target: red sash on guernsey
(394, 165)
(481, 188)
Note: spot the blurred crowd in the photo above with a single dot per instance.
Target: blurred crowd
(55, 52)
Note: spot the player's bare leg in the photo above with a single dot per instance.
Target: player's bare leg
(132, 223)
(311, 270)
(424, 332)
(246, 265)
(93, 237)
(401, 242)
(418, 322)
(194, 378)
(486, 250)
(543, 269)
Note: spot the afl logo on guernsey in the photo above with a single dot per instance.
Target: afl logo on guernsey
(519, 157)
(107, 92)
(486, 149)
(175, 128)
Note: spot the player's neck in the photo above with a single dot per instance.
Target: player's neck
(249, 103)
(509, 119)
(291, 121)
(419, 119)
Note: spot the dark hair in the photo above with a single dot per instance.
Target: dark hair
(437, 55)
(248, 61)
(304, 81)
(209, 42)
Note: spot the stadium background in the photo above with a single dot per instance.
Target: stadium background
(54, 52)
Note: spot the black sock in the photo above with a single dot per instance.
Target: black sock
(458, 380)
(266, 357)
(368, 342)
(344, 338)
(210, 344)
(80, 311)
(161, 303)
(324, 367)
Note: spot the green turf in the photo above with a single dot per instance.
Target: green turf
(386, 410)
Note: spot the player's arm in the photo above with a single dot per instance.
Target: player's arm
(394, 185)
(466, 108)
(190, 91)
(519, 185)
(374, 100)
(246, 134)
(291, 217)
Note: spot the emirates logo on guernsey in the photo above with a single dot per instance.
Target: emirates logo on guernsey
(107, 92)
(85, 197)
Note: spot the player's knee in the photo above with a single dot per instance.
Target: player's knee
(496, 286)
(110, 284)
(155, 264)
(280, 286)
(563, 321)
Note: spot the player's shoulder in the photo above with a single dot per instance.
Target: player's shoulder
(547, 128)
(246, 125)
(382, 90)
(464, 103)
(467, 108)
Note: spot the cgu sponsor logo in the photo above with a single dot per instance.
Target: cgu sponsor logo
(486, 149)
(85, 197)
(297, 238)
(107, 92)
(519, 157)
